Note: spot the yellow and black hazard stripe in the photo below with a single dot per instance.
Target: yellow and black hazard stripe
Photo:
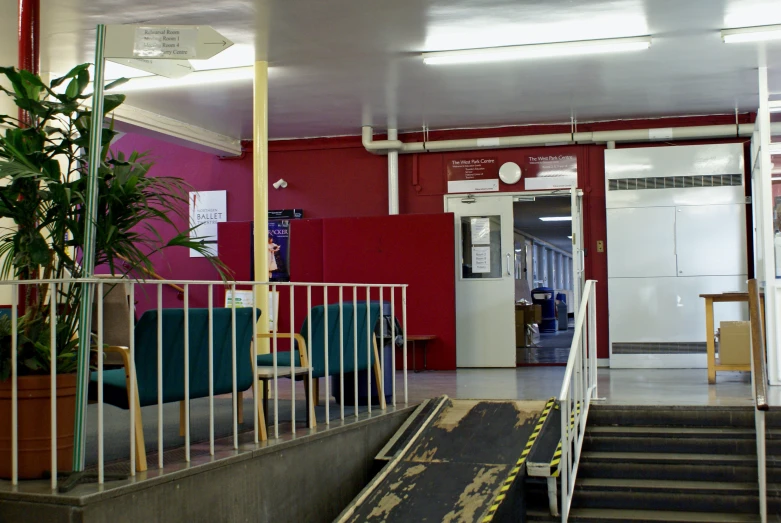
(556, 461)
(519, 464)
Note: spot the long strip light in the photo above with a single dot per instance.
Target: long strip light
(214, 76)
(521, 52)
(556, 218)
(761, 33)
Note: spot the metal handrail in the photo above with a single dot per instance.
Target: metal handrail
(759, 389)
(577, 391)
(758, 359)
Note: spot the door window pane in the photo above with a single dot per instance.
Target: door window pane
(481, 247)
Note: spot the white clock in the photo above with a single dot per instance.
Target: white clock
(510, 173)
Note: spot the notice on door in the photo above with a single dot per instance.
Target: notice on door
(481, 231)
(472, 175)
(481, 260)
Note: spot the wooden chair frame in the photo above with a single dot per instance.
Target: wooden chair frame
(303, 357)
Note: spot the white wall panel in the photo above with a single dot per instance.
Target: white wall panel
(641, 242)
(668, 310)
(685, 160)
(711, 240)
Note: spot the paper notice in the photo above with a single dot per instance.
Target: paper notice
(481, 231)
(481, 259)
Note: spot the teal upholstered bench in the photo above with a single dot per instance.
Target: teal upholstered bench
(317, 318)
(116, 382)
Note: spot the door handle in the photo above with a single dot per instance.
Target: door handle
(508, 265)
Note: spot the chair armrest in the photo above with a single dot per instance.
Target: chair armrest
(124, 353)
(302, 353)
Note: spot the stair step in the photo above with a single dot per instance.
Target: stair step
(645, 516)
(678, 416)
(658, 443)
(650, 485)
(684, 470)
(677, 458)
(680, 432)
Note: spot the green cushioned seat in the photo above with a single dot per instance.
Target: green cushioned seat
(114, 384)
(351, 317)
(283, 359)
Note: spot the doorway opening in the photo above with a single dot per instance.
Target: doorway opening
(544, 279)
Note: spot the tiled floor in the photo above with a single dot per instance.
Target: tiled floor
(617, 386)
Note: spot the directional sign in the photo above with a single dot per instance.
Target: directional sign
(167, 68)
(155, 42)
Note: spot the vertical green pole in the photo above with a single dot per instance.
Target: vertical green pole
(88, 255)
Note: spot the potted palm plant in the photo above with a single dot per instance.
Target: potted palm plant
(43, 189)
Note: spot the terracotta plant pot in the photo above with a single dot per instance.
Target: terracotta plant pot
(34, 421)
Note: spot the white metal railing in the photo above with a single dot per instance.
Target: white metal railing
(360, 293)
(577, 391)
(759, 387)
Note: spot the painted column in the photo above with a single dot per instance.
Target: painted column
(260, 196)
(766, 247)
(29, 34)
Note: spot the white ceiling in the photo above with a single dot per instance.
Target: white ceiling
(339, 64)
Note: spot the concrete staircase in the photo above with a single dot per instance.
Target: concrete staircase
(669, 464)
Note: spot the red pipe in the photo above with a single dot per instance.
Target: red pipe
(29, 56)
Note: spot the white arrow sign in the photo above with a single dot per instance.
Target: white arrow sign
(168, 68)
(178, 42)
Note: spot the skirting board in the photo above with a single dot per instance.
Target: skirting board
(603, 363)
(658, 361)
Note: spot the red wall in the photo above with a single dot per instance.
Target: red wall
(336, 177)
(416, 250)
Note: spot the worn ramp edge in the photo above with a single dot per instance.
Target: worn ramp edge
(547, 444)
(464, 460)
(408, 430)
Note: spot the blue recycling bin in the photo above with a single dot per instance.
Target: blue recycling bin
(543, 296)
(349, 383)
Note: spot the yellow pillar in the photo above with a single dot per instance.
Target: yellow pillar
(260, 197)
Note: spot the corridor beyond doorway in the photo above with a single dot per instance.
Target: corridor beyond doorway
(543, 260)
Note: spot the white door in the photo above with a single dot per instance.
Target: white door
(485, 290)
(578, 255)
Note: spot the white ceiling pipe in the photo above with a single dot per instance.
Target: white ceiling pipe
(380, 146)
(618, 136)
(393, 176)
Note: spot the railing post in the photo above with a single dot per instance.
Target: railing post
(14, 386)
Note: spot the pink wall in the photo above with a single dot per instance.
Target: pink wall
(204, 172)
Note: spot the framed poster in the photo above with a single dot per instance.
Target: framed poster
(279, 243)
(207, 209)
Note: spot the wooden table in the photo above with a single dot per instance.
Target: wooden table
(425, 338)
(726, 297)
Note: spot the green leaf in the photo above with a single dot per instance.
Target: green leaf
(39, 250)
(71, 74)
(73, 88)
(116, 83)
(112, 101)
(83, 78)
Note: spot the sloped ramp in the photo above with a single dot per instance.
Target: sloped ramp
(464, 463)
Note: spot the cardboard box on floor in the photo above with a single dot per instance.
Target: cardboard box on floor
(525, 315)
(735, 343)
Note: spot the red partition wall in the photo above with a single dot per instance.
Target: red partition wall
(412, 249)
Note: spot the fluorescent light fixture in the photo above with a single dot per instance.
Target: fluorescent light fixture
(761, 33)
(556, 218)
(198, 78)
(520, 52)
